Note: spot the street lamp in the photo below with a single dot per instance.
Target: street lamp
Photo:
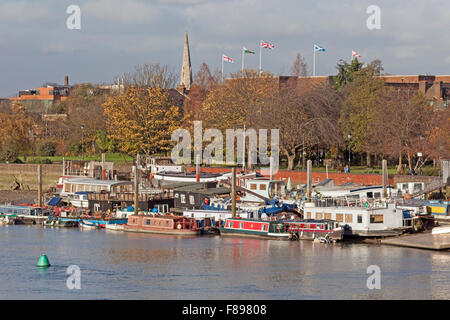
(349, 148)
(82, 142)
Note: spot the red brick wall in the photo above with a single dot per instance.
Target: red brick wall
(299, 177)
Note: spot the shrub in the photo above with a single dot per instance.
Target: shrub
(9, 152)
(46, 148)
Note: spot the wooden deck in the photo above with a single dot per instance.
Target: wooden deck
(422, 241)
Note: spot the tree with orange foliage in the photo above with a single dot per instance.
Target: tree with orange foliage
(141, 120)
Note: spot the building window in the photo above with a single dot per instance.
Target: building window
(376, 218)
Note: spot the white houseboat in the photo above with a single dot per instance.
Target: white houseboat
(370, 219)
(73, 185)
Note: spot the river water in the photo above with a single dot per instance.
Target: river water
(120, 265)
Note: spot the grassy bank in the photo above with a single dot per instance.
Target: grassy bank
(117, 158)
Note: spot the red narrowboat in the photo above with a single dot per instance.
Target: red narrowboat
(162, 224)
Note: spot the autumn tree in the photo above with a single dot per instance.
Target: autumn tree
(406, 127)
(151, 75)
(362, 98)
(16, 132)
(142, 120)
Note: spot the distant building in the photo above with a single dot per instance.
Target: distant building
(41, 100)
(435, 88)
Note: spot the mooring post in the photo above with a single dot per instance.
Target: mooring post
(233, 192)
(384, 177)
(39, 185)
(103, 166)
(308, 179)
(136, 186)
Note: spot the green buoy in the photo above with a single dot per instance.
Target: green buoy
(43, 262)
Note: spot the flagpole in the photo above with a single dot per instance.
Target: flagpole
(223, 77)
(314, 62)
(243, 57)
(243, 150)
(260, 56)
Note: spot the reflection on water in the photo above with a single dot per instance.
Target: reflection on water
(116, 265)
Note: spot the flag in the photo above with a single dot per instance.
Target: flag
(356, 54)
(318, 48)
(228, 59)
(267, 45)
(248, 51)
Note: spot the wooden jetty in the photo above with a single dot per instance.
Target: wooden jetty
(421, 241)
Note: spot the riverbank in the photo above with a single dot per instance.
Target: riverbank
(15, 197)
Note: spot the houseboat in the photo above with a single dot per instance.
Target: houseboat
(26, 213)
(72, 186)
(367, 219)
(163, 224)
(101, 222)
(80, 199)
(255, 228)
(214, 217)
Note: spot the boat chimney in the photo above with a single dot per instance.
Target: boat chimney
(66, 81)
(103, 166)
(136, 185)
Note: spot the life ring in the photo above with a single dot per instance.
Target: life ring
(206, 201)
(179, 226)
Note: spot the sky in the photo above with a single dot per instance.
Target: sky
(116, 35)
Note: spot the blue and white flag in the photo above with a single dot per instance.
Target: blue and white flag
(318, 48)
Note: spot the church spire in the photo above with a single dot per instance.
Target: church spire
(186, 69)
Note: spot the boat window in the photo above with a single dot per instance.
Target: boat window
(328, 216)
(308, 215)
(241, 225)
(191, 199)
(183, 198)
(262, 187)
(339, 217)
(319, 215)
(359, 218)
(167, 223)
(376, 218)
(377, 195)
(312, 226)
(370, 195)
(264, 227)
(253, 186)
(230, 224)
(147, 221)
(177, 195)
(349, 218)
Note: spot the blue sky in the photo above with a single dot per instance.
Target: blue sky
(116, 35)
